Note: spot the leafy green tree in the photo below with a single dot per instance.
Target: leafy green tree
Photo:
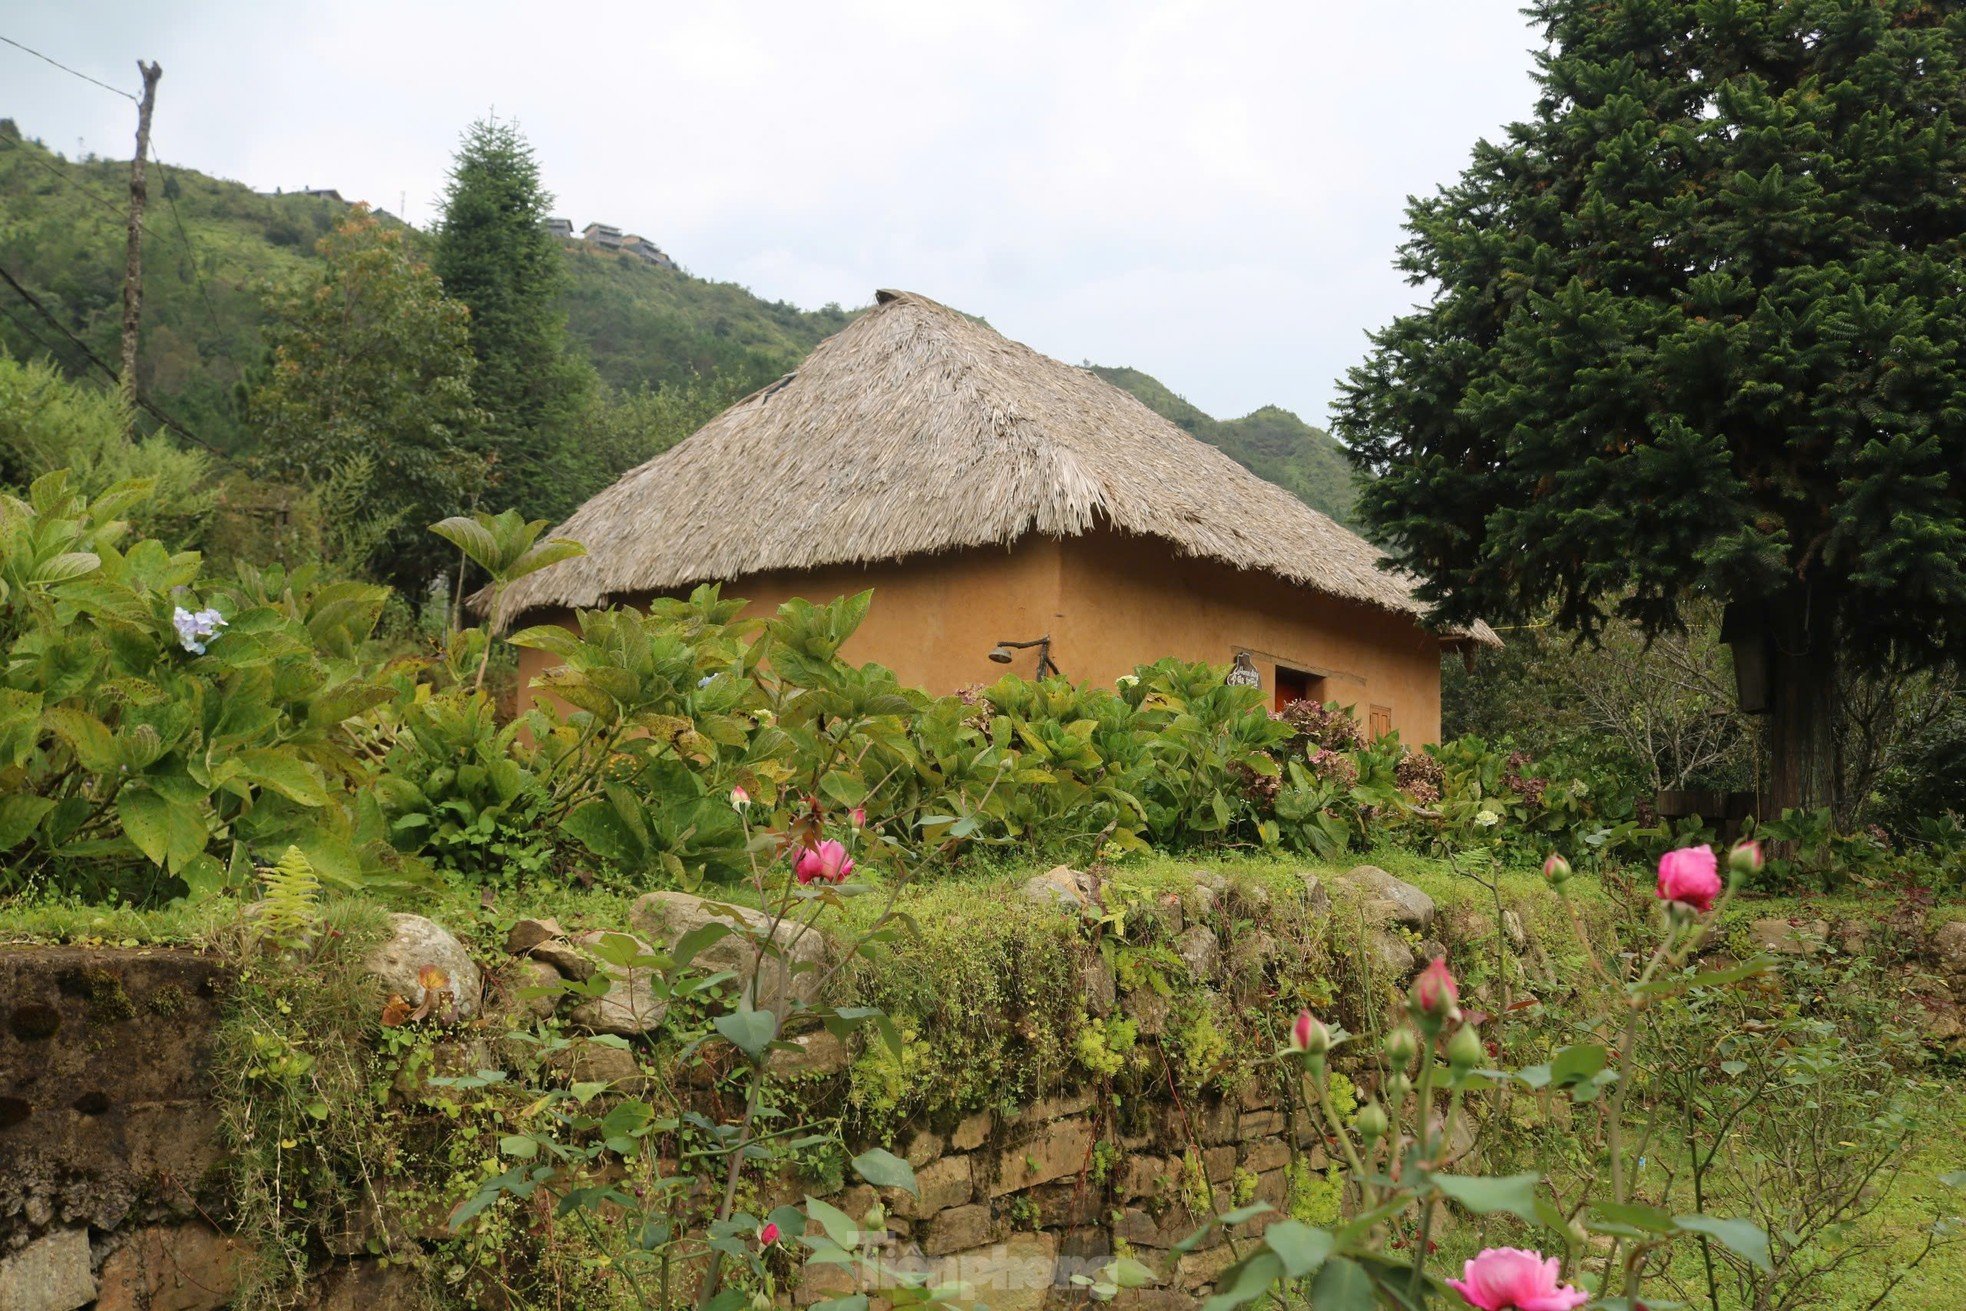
(494, 254)
(371, 372)
(1697, 328)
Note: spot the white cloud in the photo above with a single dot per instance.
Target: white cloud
(1211, 192)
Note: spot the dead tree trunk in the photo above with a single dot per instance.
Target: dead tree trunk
(133, 261)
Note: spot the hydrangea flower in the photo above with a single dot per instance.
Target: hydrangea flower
(196, 627)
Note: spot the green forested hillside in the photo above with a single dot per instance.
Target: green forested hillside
(1271, 442)
(214, 247)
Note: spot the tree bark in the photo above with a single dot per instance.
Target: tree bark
(1804, 699)
(133, 259)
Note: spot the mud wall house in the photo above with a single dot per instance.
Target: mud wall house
(989, 494)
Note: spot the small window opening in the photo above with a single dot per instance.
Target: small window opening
(1296, 685)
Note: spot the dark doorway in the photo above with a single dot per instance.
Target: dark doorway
(1296, 685)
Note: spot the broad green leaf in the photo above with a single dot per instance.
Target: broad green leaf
(19, 814)
(839, 1226)
(1742, 1237)
(1515, 1193)
(1301, 1248)
(1342, 1285)
(884, 1169)
(94, 745)
(750, 1031)
(518, 1146)
(146, 820)
(287, 774)
(1245, 1281)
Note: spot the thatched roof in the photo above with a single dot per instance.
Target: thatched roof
(915, 429)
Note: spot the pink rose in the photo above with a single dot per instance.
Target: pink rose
(1689, 876)
(1435, 994)
(1556, 869)
(1308, 1034)
(1746, 857)
(1510, 1279)
(857, 816)
(768, 1234)
(825, 863)
(739, 798)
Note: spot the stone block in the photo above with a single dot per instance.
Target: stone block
(1790, 937)
(530, 933)
(817, 1055)
(1053, 1108)
(629, 1008)
(1017, 1274)
(1219, 1163)
(957, 1229)
(1199, 1269)
(49, 1274)
(1064, 887)
(1215, 1123)
(972, 1131)
(1063, 1148)
(1101, 991)
(188, 1267)
(1261, 1124)
(1200, 951)
(1266, 1154)
(369, 1286)
(1146, 1176)
(949, 1181)
(107, 1115)
(924, 1145)
(417, 944)
(791, 969)
(1386, 900)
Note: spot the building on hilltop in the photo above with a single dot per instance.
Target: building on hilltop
(602, 235)
(648, 250)
(561, 228)
(1005, 508)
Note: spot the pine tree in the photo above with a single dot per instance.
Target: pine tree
(1697, 330)
(494, 254)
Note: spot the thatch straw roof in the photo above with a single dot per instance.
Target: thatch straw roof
(915, 429)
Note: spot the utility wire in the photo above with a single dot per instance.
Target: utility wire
(66, 69)
(28, 152)
(142, 402)
(190, 253)
(184, 238)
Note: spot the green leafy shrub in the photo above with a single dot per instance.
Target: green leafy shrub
(158, 730)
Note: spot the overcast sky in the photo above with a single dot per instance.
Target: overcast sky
(1211, 192)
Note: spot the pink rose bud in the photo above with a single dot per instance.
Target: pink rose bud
(1557, 870)
(739, 798)
(768, 1234)
(858, 816)
(1689, 877)
(825, 863)
(1435, 993)
(1746, 857)
(1511, 1279)
(1308, 1035)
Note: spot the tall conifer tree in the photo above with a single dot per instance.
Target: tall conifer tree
(494, 254)
(1696, 327)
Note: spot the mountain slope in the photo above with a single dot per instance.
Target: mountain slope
(214, 246)
(1271, 443)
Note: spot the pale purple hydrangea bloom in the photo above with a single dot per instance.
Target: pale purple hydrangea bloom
(195, 628)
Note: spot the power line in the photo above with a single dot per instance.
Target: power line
(66, 69)
(142, 403)
(28, 152)
(184, 237)
(190, 254)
